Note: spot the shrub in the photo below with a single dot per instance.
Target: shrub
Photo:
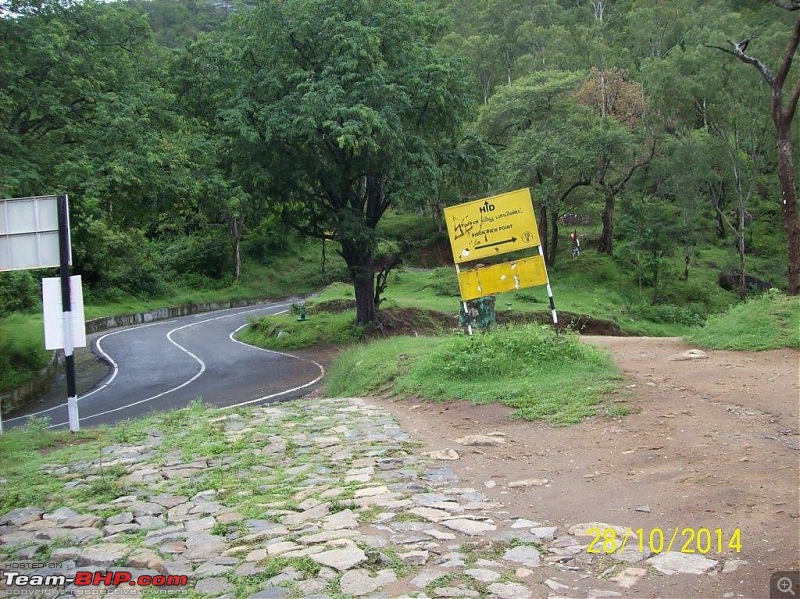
(208, 255)
(19, 292)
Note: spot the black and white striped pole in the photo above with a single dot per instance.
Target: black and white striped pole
(549, 291)
(66, 307)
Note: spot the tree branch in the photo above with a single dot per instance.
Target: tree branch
(739, 52)
(623, 182)
(794, 41)
(791, 106)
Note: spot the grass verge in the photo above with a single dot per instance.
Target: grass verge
(541, 375)
(771, 321)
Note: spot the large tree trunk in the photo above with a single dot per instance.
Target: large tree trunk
(606, 244)
(366, 312)
(543, 228)
(359, 259)
(791, 223)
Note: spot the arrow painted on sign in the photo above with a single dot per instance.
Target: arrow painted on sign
(488, 245)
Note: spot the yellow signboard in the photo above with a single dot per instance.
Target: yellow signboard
(492, 226)
(480, 282)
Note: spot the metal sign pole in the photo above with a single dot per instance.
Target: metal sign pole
(466, 310)
(550, 293)
(66, 306)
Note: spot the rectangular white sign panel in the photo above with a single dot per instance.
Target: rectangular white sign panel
(54, 316)
(29, 233)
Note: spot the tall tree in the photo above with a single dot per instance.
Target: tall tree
(345, 103)
(783, 112)
(546, 140)
(620, 105)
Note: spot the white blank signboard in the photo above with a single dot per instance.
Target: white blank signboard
(29, 233)
(54, 316)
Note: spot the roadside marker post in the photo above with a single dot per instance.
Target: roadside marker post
(66, 307)
(34, 233)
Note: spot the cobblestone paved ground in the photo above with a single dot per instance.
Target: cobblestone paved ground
(363, 513)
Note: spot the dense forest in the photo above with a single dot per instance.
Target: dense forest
(191, 134)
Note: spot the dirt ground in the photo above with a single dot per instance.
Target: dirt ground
(711, 443)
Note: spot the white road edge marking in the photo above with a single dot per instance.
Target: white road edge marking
(108, 358)
(169, 338)
(269, 351)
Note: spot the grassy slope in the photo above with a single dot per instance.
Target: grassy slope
(529, 368)
(771, 321)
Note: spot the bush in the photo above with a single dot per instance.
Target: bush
(505, 352)
(272, 237)
(207, 255)
(110, 258)
(668, 313)
(771, 321)
(19, 292)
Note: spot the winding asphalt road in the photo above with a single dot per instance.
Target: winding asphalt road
(167, 364)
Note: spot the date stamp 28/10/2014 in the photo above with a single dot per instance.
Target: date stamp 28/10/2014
(656, 540)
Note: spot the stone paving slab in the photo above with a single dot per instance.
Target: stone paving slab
(363, 514)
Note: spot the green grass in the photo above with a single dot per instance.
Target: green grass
(285, 331)
(771, 321)
(541, 375)
(25, 452)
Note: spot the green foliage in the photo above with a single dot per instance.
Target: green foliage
(771, 321)
(22, 352)
(175, 22)
(113, 258)
(484, 357)
(531, 369)
(648, 228)
(444, 282)
(667, 313)
(19, 292)
(355, 103)
(267, 240)
(206, 254)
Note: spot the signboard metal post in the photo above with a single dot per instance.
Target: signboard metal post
(66, 306)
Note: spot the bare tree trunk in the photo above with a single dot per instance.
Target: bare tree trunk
(235, 227)
(782, 117)
(366, 312)
(543, 228)
(791, 223)
(606, 244)
(360, 260)
(237, 259)
(553, 249)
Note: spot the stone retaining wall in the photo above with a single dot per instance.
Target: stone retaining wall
(15, 398)
(12, 400)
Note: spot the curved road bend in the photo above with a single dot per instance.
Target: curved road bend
(167, 364)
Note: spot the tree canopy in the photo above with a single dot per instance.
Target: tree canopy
(345, 107)
(186, 129)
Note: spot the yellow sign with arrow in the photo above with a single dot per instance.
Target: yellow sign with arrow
(499, 278)
(492, 226)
